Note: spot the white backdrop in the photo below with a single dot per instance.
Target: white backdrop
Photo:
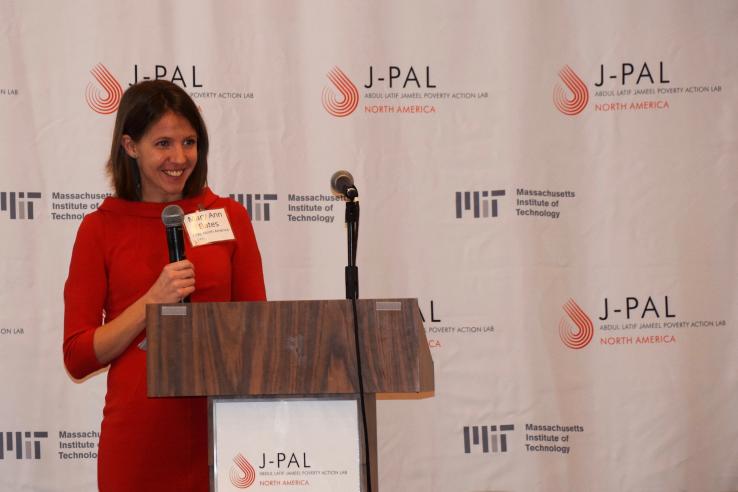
(627, 204)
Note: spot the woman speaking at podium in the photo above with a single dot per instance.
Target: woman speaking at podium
(120, 263)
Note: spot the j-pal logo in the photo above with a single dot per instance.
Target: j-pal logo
(632, 308)
(21, 445)
(571, 99)
(104, 96)
(570, 95)
(345, 102)
(624, 74)
(242, 474)
(575, 327)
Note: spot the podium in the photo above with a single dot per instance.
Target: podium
(288, 351)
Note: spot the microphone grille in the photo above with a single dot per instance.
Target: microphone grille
(172, 216)
(340, 181)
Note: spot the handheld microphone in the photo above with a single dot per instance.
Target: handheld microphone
(342, 183)
(173, 217)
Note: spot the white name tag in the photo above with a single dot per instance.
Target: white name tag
(208, 226)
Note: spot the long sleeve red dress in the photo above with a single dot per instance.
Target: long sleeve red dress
(148, 443)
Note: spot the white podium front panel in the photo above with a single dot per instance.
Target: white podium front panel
(280, 445)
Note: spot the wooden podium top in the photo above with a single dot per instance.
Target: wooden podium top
(298, 348)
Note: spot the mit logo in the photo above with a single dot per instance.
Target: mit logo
(482, 203)
(18, 205)
(21, 444)
(487, 435)
(256, 204)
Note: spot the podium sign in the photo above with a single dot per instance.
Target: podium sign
(279, 445)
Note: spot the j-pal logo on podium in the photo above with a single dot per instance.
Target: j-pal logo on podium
(278, 445)
(280, 469)
(242, 474)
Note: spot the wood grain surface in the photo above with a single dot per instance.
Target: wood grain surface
(283, 348)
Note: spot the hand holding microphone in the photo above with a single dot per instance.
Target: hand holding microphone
(177, 280)
(175, 284)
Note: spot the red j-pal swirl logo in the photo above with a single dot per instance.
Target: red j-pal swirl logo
(104, 96)
(345, 102)
(242, 474)
(575, 329)
(574, 98)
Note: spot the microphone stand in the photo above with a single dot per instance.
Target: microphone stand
(352, 293)
(352, 236)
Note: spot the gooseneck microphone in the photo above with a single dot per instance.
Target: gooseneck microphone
(342, 183)
(173, 217)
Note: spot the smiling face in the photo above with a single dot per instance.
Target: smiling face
(166, 155)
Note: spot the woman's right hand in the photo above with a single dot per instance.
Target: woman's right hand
(176, 281)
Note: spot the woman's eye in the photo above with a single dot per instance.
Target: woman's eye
(162, 143)
(190, 142)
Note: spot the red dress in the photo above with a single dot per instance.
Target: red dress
(148, 443)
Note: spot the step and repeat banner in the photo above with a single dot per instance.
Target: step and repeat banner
(556, 183)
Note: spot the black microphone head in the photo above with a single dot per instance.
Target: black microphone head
(172, 216)
(342, 183)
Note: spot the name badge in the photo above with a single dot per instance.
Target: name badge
(208, 226)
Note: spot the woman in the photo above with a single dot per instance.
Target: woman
(120, 263)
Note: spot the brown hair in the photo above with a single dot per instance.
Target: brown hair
(141, 106)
